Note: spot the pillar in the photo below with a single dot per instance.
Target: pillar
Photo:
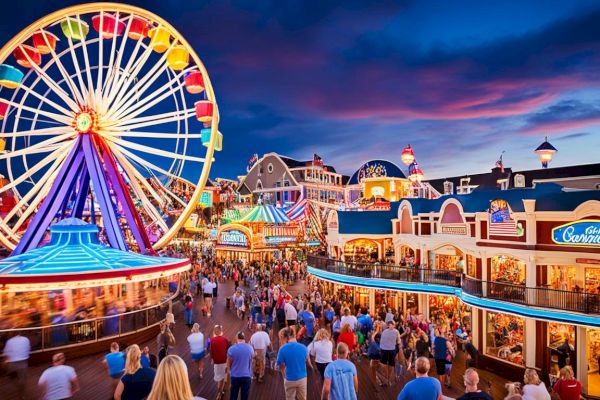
(582, 360)
(423, 304)
(371, 300)
(530, 342)
(68, 295)
(475, 333)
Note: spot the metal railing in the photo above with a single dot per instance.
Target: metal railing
(582, 302)
(91, 330)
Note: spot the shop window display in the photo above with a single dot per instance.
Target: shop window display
(361, 251)
(471, 266)
(508, 270)
(592, 280)
(562, 277)
(504, 338)
(561, 342)
(593, 343)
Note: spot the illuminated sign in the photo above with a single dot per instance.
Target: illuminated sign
(206, 199)
(378, 191)
(279, 239)
(233, 238)
(585, 233)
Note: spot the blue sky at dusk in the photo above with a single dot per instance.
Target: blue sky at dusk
(460, 81)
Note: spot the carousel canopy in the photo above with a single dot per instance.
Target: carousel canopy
(75, 253)
(265, 214)
(297, 211)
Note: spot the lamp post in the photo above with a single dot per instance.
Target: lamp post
(408, 155)
(415, 172)
(545, 152)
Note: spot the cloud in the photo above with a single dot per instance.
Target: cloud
(562, 116)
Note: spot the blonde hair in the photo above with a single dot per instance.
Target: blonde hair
(171, 381)
(346, 328)
(196, 328)
(322, 334)
(531, 377)
(566, 372)
(132, 364)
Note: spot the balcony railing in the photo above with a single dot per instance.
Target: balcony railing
(91, 330)
(581, 302)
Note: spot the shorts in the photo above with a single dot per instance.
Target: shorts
(291, 322)
(198, 356)
(261, 354)
(448, 368)
(388, 357)
(440, 366)
(207, 295)
(219, 372)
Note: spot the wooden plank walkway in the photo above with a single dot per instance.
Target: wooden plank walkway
(95, 384)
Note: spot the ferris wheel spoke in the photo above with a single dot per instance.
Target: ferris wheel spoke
(151, 75)
(153, 135)
(99, 85)
(38, 166)
(45, 99)
(39, 132)
(92, 95)
(51, 83)
(130, 110)
(159, 117)
(56, 117)
(82, 87)
(151, 150)
(117, 68)
(153, 122)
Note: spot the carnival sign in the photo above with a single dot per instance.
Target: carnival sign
(233, 238)
(206, 199)
(585, 233)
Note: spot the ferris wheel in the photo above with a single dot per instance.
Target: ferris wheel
(106, 109)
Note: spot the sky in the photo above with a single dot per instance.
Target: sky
(461, 81)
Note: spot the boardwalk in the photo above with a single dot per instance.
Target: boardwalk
(96, 385)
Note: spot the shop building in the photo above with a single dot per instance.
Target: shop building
(531, 262)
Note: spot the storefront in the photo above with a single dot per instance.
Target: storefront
(448, 308)
(592, 279)
(445, 258)
(362, 250)
(471, 266)
(505, 337)
(593, 361)
(506, 269)
(563, 277)
(407, 255)
(561, 352)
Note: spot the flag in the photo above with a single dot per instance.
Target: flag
(317, 161)
(251, 162)
(500, 164)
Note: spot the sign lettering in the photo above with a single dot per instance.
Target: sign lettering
(233, 238)
(580, 233)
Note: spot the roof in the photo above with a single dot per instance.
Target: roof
(548, 196)
(266, 214)
(490, 179)
(292, 163)
(367, 222)
(74, 249)
(376, 168)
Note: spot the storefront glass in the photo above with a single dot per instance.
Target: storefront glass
(361, 250)
(593, 352)
(561, 351)
(504, 339)
(471, 266)
(592, 280)
(508, 270)
(446, 258)
(562, 277)
(407, 255)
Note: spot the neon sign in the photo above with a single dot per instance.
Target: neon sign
(233, 238)
(585, 233)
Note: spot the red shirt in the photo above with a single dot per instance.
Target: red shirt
(218, 349)
(348, 338)
(568, 389)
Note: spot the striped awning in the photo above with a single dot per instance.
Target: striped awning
(297, 211)
(231, 215)
(265, 214)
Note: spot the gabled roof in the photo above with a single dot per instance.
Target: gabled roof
(367, 222)
(292, 163)
(376, 168)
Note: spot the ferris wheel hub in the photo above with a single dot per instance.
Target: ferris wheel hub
(85, 121)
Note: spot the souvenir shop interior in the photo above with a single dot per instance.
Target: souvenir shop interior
(592, 280)
(593, 347)
(504, 339)
(361, 250)
(557, 333)
(471, 266)
(445, 258)
(562, 277)
(507, 269)
(407, 255)
(448, 307)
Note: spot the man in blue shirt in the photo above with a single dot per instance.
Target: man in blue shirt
(114, 362)
(291, 360)
(308, 317)
(440, 348)
(422, 387)
(239, 364)
(341, 379)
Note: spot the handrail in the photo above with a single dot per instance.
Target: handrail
(49, 337)
(582, 302)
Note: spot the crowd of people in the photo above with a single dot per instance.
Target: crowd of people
(326, 332)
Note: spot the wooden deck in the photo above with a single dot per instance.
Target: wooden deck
(95, 384)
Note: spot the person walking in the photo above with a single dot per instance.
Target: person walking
(197, 348)
(59, 381)
(292, 359)
(390, 337)
(321, 348)
(374, 355)
(172, 381)
(341, 378)
(472, 392)
(16, 356)
(114, 362)
(208, 287)
(567, 387)
(291, 315)
(188, 309)
(440, 351)
(136, 382)
(165, 340)
(218, 353)
(534, 388)
(423, 387)
(239, 363)
(260, 342)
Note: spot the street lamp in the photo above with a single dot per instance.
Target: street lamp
(545, 152)
(415, 173)
(408, 155)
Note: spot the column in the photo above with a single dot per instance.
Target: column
(68, 295)
(371, 300)
(475, 334)
(582, 360)
(531, 280)
(424, 304)
(530, 342)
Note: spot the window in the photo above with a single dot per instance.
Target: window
(519, 181)
(448, 187)
(270, 168)
(504, 337)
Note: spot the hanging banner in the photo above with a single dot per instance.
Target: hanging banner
(233, 238)
(584, 233)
